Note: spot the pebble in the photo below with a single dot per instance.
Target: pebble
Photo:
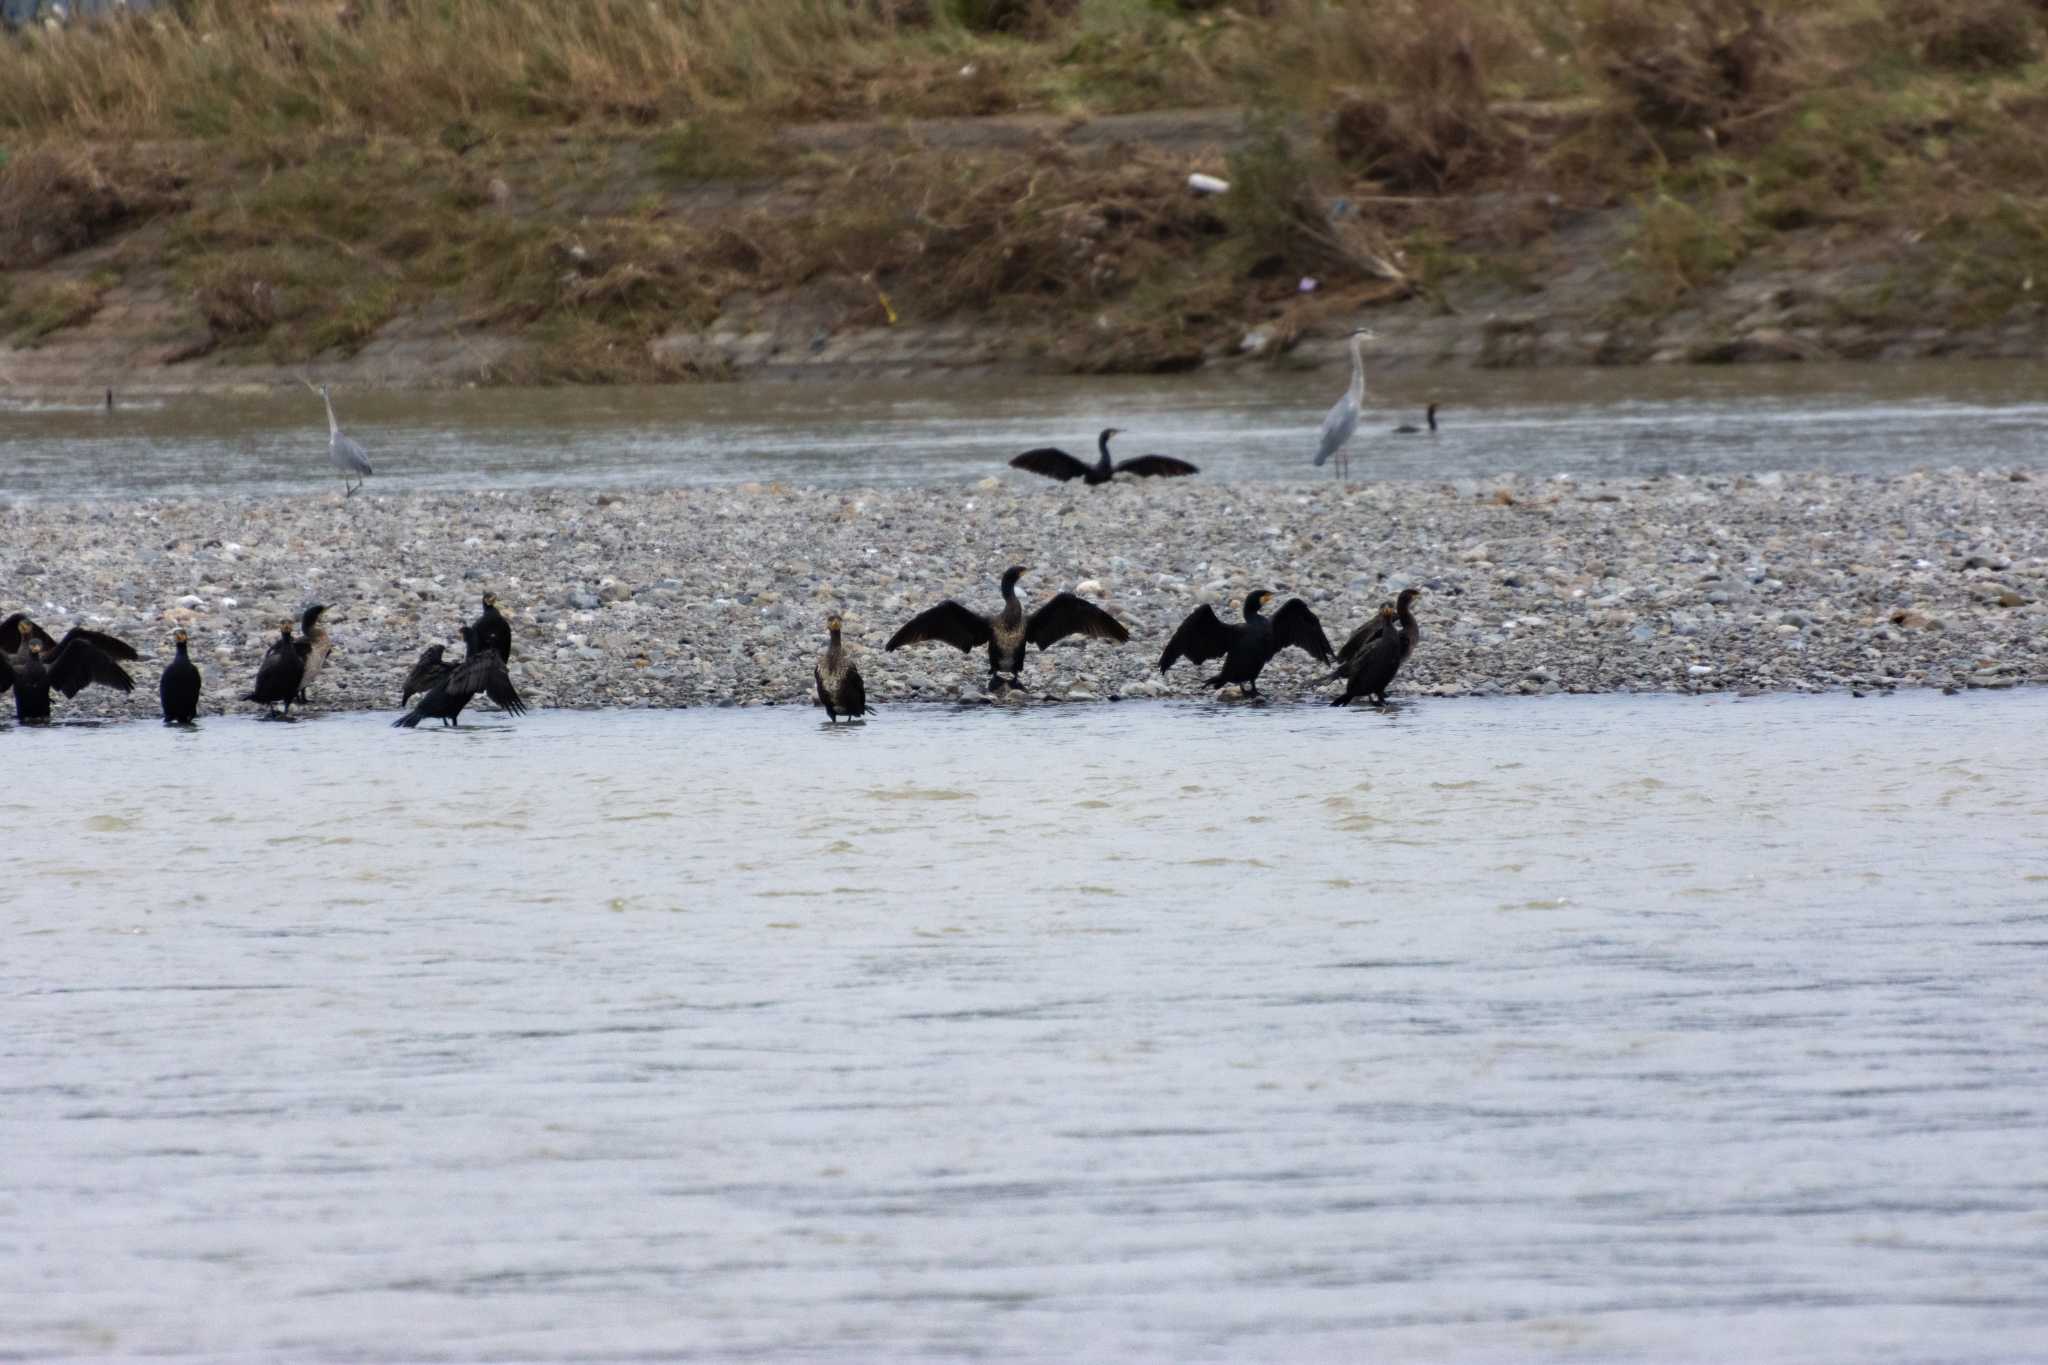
(707, 596)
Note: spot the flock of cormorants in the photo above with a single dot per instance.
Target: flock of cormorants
(1366, 664)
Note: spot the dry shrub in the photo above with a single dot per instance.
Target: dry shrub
(237, 305)
(1014, 16)
(1981, 35)
(965, 231)
(53, 203)
(1688, 64)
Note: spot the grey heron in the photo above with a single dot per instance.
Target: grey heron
(344, 452)
(1343, 418)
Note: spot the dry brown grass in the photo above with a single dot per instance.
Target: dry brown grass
(54, 201)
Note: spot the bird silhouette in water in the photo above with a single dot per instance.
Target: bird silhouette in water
(482, 671)
(1246, 649)
(178, 688)
(39, 665)
(840, 689)
(279, 675)
(1410, 429)
(1010, 629)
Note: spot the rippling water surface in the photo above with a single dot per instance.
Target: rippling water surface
(1583, 1028)
(1249, 425)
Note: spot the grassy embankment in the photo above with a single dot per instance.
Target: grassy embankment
(593, 175)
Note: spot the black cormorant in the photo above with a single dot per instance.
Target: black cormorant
(12, 629)
(178, 689)
(71, 667)
(313, 646)
(1410, 429)
(483, 671)
(1055, 463)
(493, 631)
(1246, 649)
(1376, 651)
(279, 675)
(430, 669)
(1009, 630)
(840, 688)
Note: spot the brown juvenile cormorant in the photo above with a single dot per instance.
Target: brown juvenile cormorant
(1376, 651)
(1009, 630)
(279, 675)
(12, 629)
(71, 667)
(1055, 463)
(493, 631)
(1410, 429)
(178, 689)
(482, 671)
(430, 669)
(840, 688)
(1368, 634)
(313, 646)
(1246, 649)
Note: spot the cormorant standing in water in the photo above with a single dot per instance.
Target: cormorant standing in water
(1055, 463)
(1009, 630)
(839, 684)
(1376, 651)
(279, 675)
(178, 689)
(1410, 429)
(313, 646)
(483, 671)
(71, 667)
(1246, 649)
(430, 669)
(493, 631)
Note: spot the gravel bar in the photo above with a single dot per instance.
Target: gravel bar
(696, 596)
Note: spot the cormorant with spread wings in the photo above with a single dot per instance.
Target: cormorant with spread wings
(1246, 649)
(483, 671)
(1009, 630)
(1055, 463)
(70, 666)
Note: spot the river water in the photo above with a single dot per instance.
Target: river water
(1581, 1028)
(1247, 425)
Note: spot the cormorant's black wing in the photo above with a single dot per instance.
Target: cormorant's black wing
(853, 693)
(111, 646)
(1294, 624)
(949, 623)
(1155, 466)
(494, 632)
(79, 664)
(485, 673)
(430, 669)
(1363, 639)
(1052, 462)
(1202, 637)
(10, 634)
(6, 675)
(1067, 615)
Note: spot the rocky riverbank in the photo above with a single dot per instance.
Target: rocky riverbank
(717, 596)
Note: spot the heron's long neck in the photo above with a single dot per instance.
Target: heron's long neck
(334, 427)
(1357, 371)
